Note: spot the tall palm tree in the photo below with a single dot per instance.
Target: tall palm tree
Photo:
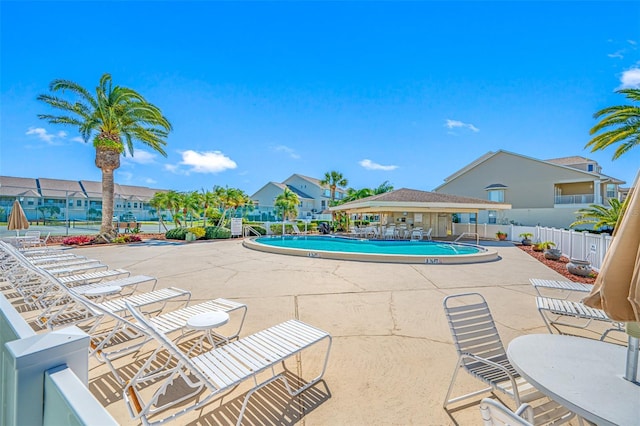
(286, 204)
(600, 216)
(333, 180)
(623, 122)
(116, 116)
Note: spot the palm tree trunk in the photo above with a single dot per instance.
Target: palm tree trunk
(107, 160)
(107, 201)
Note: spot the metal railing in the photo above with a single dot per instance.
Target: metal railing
(469, 234)
(575, 199)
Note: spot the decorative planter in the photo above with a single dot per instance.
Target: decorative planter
(552, 254)
(526, 242)
(190, 236)
(579, 267)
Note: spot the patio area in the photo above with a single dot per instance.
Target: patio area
(392, 356)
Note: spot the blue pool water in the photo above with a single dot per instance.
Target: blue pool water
(349, 245)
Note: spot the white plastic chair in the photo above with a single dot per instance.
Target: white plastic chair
(495, 414)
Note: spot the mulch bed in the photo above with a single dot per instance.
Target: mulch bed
(560, 266)
(57, 239)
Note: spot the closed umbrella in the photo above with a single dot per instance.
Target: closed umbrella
(617, 287)
(17, 218)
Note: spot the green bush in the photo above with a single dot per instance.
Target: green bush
(176, 234)
(198, 231)
(214, 232)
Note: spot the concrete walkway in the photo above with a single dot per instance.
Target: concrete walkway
(392, 356)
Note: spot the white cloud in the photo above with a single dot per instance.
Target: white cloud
(42, 134)
(630, 78)
(632, 42)
(617, 54)
(287, 150)
(202, 162)
(451, 124)
(77, 139)
(150, 181)
(142, 157)
(370, 165)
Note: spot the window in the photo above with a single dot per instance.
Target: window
(473, 218)
(327, 193)
(496, 195)
(492, 216)
(589, 167)
(324, 204)
(79, 203)
(135, 205)
(611, 190)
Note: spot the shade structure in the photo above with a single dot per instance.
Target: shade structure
(617, 287)
(17, 218)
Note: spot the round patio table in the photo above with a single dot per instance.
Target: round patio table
(584, 375)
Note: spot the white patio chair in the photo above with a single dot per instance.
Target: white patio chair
(219, 371)
(427, 235)
(495, 414)
(416, 234)
(390, 232)
(482, 355)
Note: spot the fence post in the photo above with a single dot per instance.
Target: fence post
(25, 364)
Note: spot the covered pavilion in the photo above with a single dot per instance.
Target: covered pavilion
(413, 208)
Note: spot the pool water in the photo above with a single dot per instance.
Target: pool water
(391, 247)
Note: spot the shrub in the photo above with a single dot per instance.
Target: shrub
(214, 232)
(198, 231)
(123, 239)
(176, 234)
(77, 240)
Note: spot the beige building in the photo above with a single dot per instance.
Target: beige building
(411, 208)
(314, 197)
(544, 192)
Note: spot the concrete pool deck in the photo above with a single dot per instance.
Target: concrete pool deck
(392, 356)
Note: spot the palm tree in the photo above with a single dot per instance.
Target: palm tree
(189, 204)
(383, 187)
(624, 124)
(287, 204)
(230, 200)
(600, 216)
(333, 180)
(118, 116)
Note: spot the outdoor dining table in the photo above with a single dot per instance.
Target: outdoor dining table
(584, 375)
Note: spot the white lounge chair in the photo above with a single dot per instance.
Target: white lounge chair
(482, 355)
(219, 371)
(555, 312)
(108, 344)
(568, 286)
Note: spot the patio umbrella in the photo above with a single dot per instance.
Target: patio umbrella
(617, 287)
(17, 218)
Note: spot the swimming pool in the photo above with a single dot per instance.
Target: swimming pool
(392, 251)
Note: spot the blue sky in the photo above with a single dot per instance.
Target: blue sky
(408, 92)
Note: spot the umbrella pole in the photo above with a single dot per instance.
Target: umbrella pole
(631, 371)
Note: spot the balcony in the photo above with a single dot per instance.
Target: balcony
(576, 199)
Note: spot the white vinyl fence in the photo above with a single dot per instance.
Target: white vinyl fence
(573, 244)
